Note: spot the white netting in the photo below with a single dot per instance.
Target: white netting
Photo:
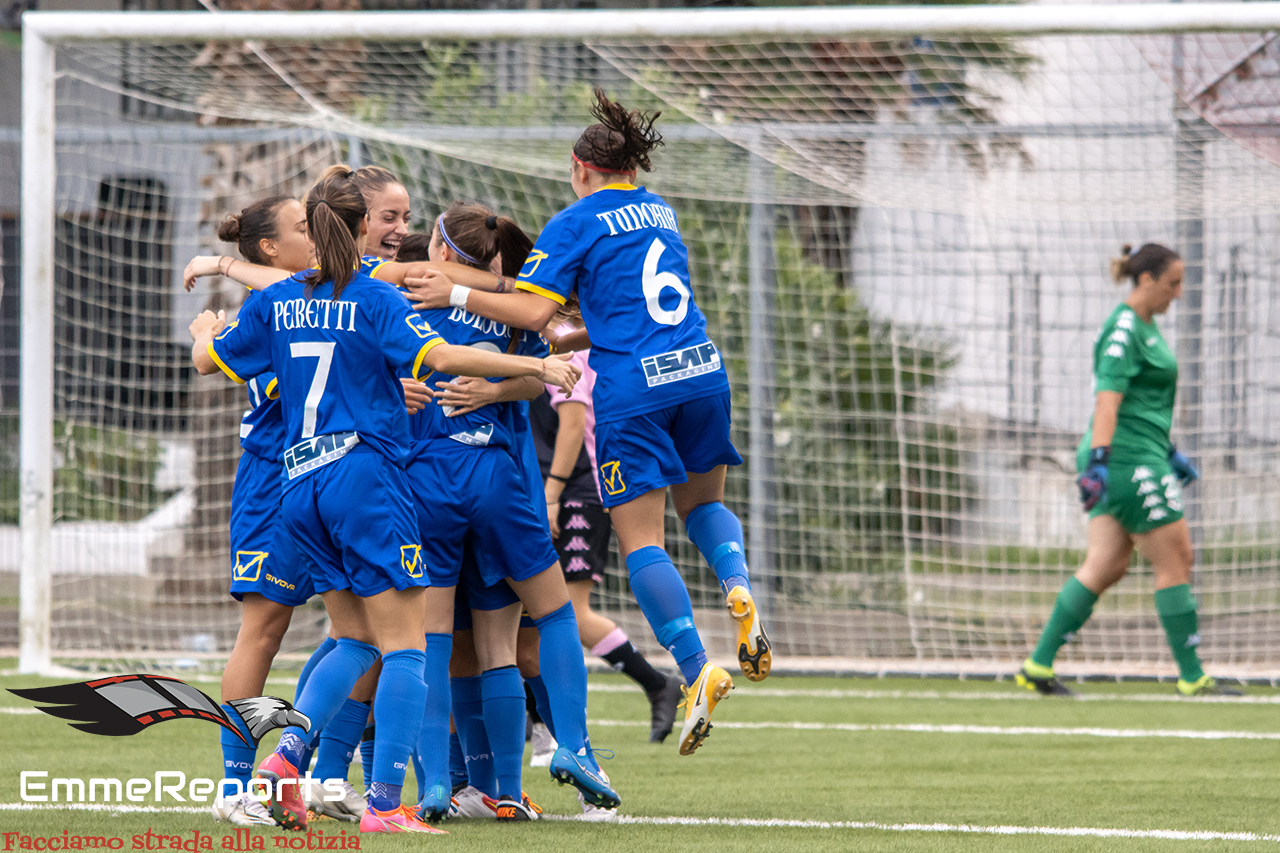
(927, 221)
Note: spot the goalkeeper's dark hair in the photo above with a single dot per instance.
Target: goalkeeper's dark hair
(335, 209)
(621, 141)
(1150, 258)
(248, 228)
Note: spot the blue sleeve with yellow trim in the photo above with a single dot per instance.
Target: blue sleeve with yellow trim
(243, 349)
(556, 259)
(404, 335)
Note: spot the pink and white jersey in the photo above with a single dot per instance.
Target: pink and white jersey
(581, 394)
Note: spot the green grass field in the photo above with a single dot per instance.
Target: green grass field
(872, 765)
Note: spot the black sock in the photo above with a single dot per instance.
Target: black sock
(531, 704)
(632, 663)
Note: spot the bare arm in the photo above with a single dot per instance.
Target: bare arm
(203, 330)
(406, 274)
(253, 276)
(1105, 409)
(574, 341)
(520, 309)
(467, 393)
(469, 361)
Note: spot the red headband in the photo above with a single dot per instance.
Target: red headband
(584, 164)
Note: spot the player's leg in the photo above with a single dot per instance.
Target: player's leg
(1106, 561)
(468, 719)
(537, 702)
(1168, 549)
(583, 548)
(432, 749)
(502, 693)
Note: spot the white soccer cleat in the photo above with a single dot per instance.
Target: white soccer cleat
(242, 810)
(544, 746)
(350, 808)
(596, 814)
(469, 802)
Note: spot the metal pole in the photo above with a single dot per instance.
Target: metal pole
(36, 390)
(762, 515)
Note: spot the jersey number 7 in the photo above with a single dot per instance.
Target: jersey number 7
(324, 352)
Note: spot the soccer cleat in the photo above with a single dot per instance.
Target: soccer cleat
(350, 808)
(400, 819)
(435, 804)
(507, 810)
(663, 704)
(544, 746)
(1205, 686)
(711, 685)
(286, 803)
(595, 814)
(242, 810)
(470, 802)
(579, 770)
(754, 654)
(1041, 679)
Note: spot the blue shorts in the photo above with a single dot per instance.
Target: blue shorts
(472, 594)
(477, 495)
(354, 520)
(263, 557)
(655, 449)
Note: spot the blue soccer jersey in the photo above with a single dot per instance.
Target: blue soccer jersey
(487, 426)
(336, 362)
(620, 248)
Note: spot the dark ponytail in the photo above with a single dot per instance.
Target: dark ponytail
(255, 223)
(335, 208)
(622, 140)
(1150, 258)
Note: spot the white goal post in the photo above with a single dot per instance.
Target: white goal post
(46, 33)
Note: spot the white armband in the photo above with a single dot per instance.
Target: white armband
(458, 296)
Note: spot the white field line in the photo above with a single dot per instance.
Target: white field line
(933, 695)
(969, 829)
(949, 729)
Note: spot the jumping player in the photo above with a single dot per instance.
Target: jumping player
(661, 396)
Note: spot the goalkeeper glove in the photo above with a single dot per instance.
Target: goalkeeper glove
(1182, 467)
(1093, 480)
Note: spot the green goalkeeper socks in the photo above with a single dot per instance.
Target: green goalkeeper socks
(1177, 610)
(1070, 612)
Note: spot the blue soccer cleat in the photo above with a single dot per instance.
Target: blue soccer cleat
(580, 771)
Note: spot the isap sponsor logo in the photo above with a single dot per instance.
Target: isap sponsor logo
(680, 364)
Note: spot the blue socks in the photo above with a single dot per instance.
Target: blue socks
(457, 763)
(431, 753)
(664, 601)
(339, 739)
(502, 691)
(717, 533)
(397, 713)
(237, 759)
(468, 719)
(325, 691)
(323, 649)
(366, 755)
(542, 701)
(560, 660)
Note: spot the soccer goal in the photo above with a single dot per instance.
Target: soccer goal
(899, 221)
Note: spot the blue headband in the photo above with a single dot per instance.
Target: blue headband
(444, 235)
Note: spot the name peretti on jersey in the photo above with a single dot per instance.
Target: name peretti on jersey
(315, 314)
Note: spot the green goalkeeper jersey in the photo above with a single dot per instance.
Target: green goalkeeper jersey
(1130, 357)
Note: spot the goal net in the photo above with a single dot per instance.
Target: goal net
(900, 239)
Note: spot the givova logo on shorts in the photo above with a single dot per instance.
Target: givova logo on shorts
(411, 560)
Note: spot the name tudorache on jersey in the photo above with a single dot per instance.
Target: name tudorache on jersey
(336, 362)
(620, 249)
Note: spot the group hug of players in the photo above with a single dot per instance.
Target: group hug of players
(384, 471)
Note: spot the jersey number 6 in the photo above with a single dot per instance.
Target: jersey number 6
(324, 352)
(654, 282)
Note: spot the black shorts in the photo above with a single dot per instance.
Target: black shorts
(583, 544)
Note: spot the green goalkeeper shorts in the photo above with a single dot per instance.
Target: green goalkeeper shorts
(1141, 496)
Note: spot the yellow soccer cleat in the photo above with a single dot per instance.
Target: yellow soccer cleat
(711, 685)
(754, 652)
(1041, 679)
(1206, 686)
